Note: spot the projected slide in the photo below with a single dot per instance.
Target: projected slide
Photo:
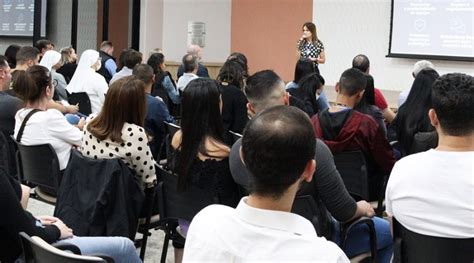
(433, 28)
(16, 17)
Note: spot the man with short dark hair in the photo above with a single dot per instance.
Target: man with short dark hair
(26, 57)
(196, 51)
(278, 149)
(44, 45)
(109, 67)
(9, 105)
(344, 129)
(431, 193)
(190, 65)
(264, 90)
(132, 58)
(156, 112)
(362, 63)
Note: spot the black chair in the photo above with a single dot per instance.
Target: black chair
(170, 130)
(177, 206)
(38, 165)
(409, 246)
(37, 250)
(84, 102)
(235, 136)
(7, 155)
(150, 221)
(306, 206)
(354, 171)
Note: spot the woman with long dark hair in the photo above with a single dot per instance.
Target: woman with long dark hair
(367, 104)
(164, 86)
(309, 91)
(310, 46)
(412, 117)
(234, 109)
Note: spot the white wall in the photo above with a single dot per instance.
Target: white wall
(351, 27)
(215, 13)
(151, 26)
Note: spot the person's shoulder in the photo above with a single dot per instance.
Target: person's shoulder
(133, 130)
(320, 249)
(213, 213)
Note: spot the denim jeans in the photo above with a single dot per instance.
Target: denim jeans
(358, 240)
(72, 118)
(323, 102)
(121, 249)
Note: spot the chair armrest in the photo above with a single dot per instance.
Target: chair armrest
(106, 258)
(346, 228)
(69, 247)
(380, 207)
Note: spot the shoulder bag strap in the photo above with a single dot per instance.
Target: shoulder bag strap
(23, 124)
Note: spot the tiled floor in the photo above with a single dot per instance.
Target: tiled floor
(155, 242)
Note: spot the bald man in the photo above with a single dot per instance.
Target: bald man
(195, 50)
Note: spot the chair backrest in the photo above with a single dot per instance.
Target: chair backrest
(413, 247)
(7, 154)
(305, 206)
(84, 102)
(235, 136)
(39, 165)
(353, 169)
(181, 205)
(171, 128)
(38, 251)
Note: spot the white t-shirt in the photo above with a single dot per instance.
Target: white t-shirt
(432, 193)
(185, 79)
(51, 127)
(124, 72)
(220, 233)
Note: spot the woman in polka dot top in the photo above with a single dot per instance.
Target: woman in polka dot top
(117, 131)
(309, 46)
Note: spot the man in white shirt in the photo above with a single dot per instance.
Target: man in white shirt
(419, 66)
(190, 64)
(132, 58)
(278, 149)
(431, 193)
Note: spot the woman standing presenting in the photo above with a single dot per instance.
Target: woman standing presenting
(309, 46)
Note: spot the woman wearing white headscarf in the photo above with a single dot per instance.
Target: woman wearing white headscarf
(86, 79)
(52, 61)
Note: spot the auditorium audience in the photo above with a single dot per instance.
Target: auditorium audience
(117, 131)
(367, 104)
(10, 53)
(8, 104)
(430, 193)
(412, 124)
(132, 58)
(51, 229)
(164, 86)
(87, 80)
(362, 63)
(69, 63)
(266, 89)
(109, 67)
(263, 220)
(190, 67)
(234, 102)
(309, 91)
(52, 61)
(156, 110)
(196, 51)
(344, 129)
(42, 125)
(419, 66)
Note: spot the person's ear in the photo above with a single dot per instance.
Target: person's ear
(433, 118)
(337, 87)
(360, 95)
(250, 109)
(309, 171)
(286, 98)
(153, 79)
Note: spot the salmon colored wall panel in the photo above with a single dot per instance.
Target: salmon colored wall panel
(118, 24)
(266, 31)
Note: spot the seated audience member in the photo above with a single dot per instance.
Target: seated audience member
(50, 229)
(87, 80)
(241, 59)
(362, 63)
(199, 155)
(9, 105)
(10, 53)
(43, 125)
(278, 148)
(44, 45)
(121, 59)
(156, 110)
(412, 117)
(309, 91)
(196, 51)
(190, 65)
(69, 63)
(430, 193)
(117, 131)
(164, 86)
(303, 68)
(344, 129)
(108, 66)
(419, 66)
(132, 58)
(52, 61)
(265, 90)
(25, 58)
(234, 102)
(367, 104)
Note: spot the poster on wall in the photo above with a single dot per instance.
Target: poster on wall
(196, 33)
(17, 17)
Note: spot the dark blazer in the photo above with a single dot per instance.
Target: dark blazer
(99, 197)
(202, 71)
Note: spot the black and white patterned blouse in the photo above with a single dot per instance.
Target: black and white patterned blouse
(310, 49)
(133, 151)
